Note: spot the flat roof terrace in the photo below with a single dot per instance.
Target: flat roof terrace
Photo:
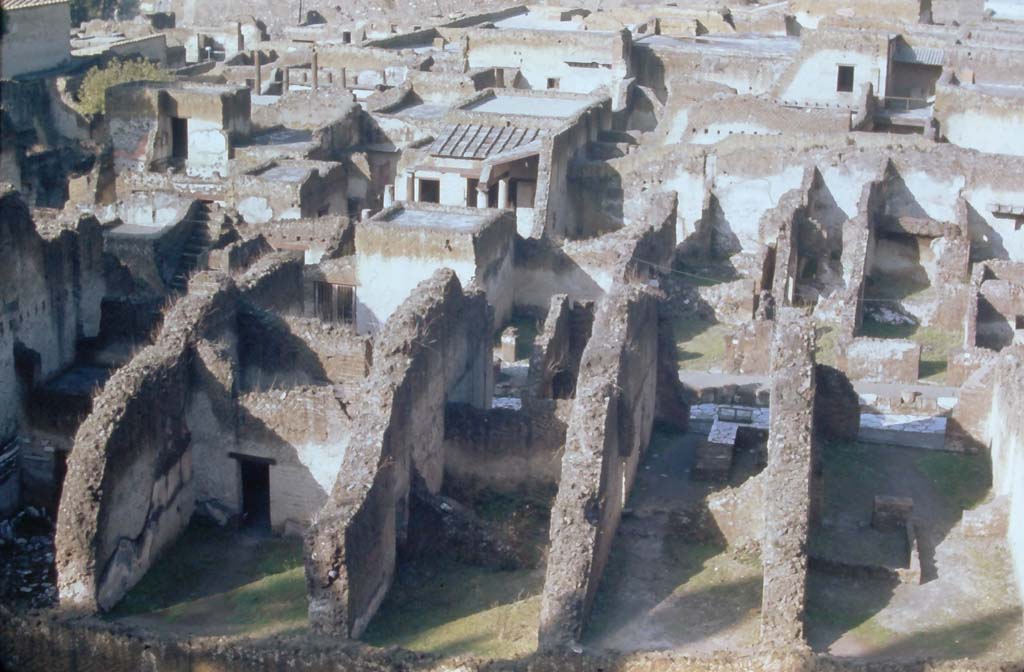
(533, 21)
(529, 106)
(745, 44)
(464, 220)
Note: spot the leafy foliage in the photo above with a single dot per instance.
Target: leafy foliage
(92, 94)
(86, 10)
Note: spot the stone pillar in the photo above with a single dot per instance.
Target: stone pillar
(416, 189)
(258, 60)
(787, 505)
(509, 337)
(389, 195)
(316, 71)
(344, 78)
(503, 193)
(481, 196)
(410, 185)
(287, 81)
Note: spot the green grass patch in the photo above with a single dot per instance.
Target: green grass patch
(963, 480)
(445, 607)
(826, 344)
(700, 343)
(936, 344)
(220, 578)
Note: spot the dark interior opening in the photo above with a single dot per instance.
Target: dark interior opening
(430, 191)
(28, 366)
(563, 385)
(471, 184)
(844, 80)
(335, 303)
(255, 495)
(179, 138)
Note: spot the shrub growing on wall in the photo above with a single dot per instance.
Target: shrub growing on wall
(92, 93)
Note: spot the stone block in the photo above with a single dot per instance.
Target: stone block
(714, 462)
(509, 339)
(891, 513)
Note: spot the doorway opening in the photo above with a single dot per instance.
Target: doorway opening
(255, 494)
(179, 138)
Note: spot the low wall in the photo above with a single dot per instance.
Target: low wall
(43, 643)
(609, 429)
(431, 351)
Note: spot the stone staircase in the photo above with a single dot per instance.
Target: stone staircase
(196, 247)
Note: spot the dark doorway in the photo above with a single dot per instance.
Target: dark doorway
(430, 191)
(179, 138)
(563, 385)
(255, 495)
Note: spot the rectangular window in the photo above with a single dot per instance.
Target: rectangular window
(335, 303)
(471, 184)
(1019, 323)
(844, 80)
(552, 82)
(430, 191)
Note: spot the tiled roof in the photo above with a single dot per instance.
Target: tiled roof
(8, 5)
(919, 55)
(476, 141)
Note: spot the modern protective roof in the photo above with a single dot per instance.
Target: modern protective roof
(919, 55)
(477, 141)
(8, 5)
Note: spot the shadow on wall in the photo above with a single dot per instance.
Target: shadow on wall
(899, 200)
(543, 270)
(723, 242)
(986, 243)
(271, 356)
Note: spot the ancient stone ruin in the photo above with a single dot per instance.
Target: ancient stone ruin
(442, 336)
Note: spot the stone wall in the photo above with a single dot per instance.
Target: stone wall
(35, 39)
(278, 351)
(51, 288)
(788, 479)
(558, 348)
(431, 351)
(40, 643)
(128, 492)
(609, 428)
(893, 360)
(504, 450)
(1005, 432)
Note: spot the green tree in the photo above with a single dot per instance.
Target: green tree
(92, 96)
(85, 10)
